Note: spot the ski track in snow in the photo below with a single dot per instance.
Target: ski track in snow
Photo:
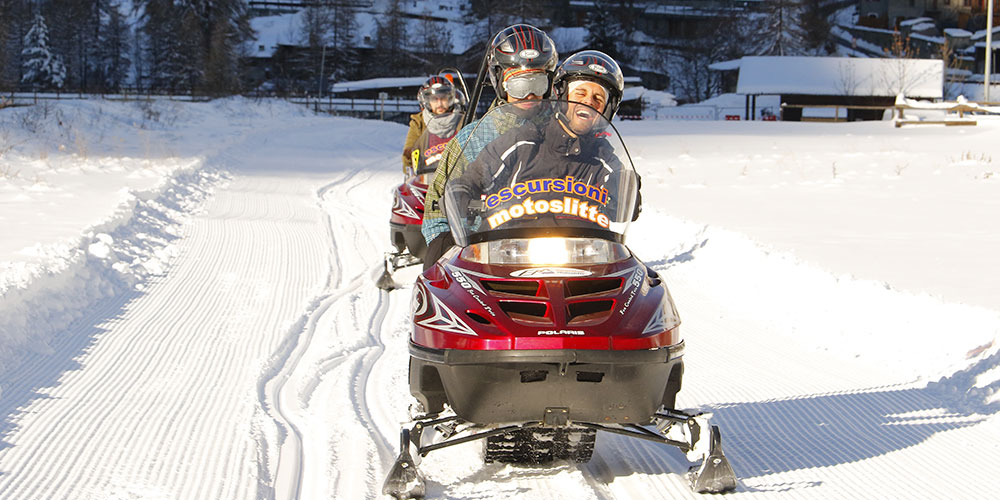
(265, 364)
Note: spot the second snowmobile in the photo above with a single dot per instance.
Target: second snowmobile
(442, 110)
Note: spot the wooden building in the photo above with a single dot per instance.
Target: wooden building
(863, 87)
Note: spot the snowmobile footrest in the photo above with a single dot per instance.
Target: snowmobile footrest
(403, 481)
(714, 475)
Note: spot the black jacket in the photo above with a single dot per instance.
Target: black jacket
(545, 151)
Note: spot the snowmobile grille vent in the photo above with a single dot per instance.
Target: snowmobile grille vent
(478, 318)
(576, 288)
(528, 376)
(532, 312)
(588, 311)
(513, 287)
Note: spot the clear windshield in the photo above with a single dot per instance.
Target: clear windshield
(543, 168)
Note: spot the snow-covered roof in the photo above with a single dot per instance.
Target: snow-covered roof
(389, 83)
(957, 33)
(916, 21)
(725, 65)
(568, 40)
(272, 31)
(841, 76)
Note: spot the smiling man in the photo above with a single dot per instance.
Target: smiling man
(587, 100)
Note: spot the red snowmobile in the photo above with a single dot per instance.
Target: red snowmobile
(408, 213)
(408, 198)
(404, 226)
(540, 328)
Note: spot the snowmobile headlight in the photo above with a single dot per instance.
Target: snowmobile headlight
(546, 251)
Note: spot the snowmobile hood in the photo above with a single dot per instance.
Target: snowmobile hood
(622, 305)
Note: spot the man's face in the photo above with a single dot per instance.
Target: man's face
(439, 104)
(583, 118)
(525, 103)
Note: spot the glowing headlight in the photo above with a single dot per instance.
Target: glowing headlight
(546, 251)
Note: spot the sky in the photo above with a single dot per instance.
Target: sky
(188, 309)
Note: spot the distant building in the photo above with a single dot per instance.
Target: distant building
(966, 14)
(864, 87)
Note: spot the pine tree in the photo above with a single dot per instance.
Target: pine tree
(9, 43)
(222, 28)
(433, 42)
(342, 64)
(816, 28)
(113, 55)
(779, 32)
(41, 66)
(608, 26)
(391, 56)
(180, 37)
(222, 63)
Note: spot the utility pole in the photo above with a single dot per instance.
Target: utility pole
(322, 62)
(989, 50)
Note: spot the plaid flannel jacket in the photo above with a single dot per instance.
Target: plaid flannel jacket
(460, 151)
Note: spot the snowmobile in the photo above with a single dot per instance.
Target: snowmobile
(408, 206)
(540, 328)
(406, 217)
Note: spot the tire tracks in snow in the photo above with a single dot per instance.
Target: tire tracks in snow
(271, 388)
(343, 292)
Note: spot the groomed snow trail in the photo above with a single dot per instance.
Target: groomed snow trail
(162, 403)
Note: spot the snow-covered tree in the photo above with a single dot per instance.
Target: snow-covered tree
(608, 29)
(343, 41)
(180, 37)
(433, 42)
(113, 55)
(778, 30)
(391, 43)
(41, 66)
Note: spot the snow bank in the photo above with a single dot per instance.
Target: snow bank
(95, 194)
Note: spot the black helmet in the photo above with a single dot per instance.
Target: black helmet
(595, 66)
(520, 47)
(437, 86)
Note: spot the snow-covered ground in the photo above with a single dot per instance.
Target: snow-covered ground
(187, 308)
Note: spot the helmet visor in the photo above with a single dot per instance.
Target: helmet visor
(522, 85)
(436, 95)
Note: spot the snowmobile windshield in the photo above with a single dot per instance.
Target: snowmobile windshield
(542, 169)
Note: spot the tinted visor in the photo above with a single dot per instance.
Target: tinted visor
(525, 84)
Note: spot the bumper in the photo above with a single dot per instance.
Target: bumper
(599, 386)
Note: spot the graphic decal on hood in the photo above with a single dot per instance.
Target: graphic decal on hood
(445, 319)
(550, 272)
